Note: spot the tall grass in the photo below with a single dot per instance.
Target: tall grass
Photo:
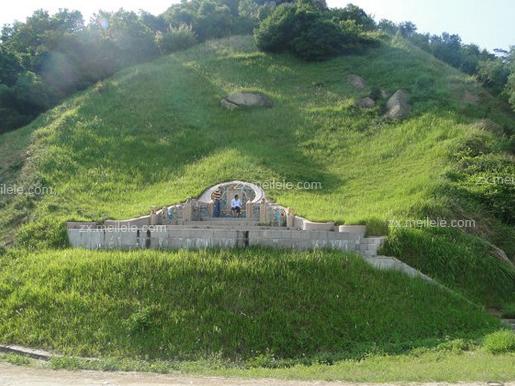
(238, 304)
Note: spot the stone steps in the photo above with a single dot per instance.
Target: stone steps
(392, 263)
(224, 222)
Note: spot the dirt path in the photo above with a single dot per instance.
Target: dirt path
(11, 375)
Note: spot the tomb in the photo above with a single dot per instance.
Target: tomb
(195, 224)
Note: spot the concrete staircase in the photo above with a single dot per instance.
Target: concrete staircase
(224, 222)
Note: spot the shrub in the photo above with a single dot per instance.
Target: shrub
(308, 32)
(275, 33)
(500, 341)
(177, 39)
(322, 39)
(355, 14)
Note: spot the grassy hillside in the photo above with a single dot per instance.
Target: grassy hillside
(155, 134)
(194, 305)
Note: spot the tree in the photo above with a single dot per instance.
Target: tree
(447, 48)
(154, 23)
(407, 29)
(494, 74)
(387, 26)
(308, 32)
(9, 67)
(510, 85)
(320, 40)
(355, 13)
(276, 32)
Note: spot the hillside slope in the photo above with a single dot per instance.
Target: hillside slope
(237, 304)
(155, 134)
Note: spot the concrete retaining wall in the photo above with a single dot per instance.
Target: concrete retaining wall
(176, 237)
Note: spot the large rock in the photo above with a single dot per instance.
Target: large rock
(357, 81)
(245, 99)
(366, 103)
(397, 106)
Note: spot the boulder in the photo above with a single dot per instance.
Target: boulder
(397, 106)
(245, 99)
(366, 103)
(357, 81)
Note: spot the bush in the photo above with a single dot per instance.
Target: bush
(276, 32)
(177, 39)
(500, 341)
(321, 40)
(308, 32)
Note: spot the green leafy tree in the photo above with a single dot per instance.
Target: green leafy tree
(356, 14)
(9, 68)
(321, 39)
(308, 32)
(407, 29)
(387, 26)
(510, 84)
(276, 32)
(494, 74)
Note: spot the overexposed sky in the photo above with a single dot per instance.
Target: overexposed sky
(488, 23)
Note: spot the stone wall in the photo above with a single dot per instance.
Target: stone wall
(126, 236)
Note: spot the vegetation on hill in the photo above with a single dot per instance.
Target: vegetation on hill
(250, 304)
(496, 71)
(155, 134)
(439, 183)
(49, 57)
(311, 33)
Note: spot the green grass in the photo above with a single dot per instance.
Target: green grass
(155, 134)
(421, 365)
(500, 341)
(238, 304)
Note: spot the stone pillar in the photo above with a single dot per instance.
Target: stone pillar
(262, 212)
(164, 216)
(187, 211)
(154, 218)
(290, 218)
(249, 208)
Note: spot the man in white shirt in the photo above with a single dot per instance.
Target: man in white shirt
(236, 206)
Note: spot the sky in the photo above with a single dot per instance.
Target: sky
(488, 23)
